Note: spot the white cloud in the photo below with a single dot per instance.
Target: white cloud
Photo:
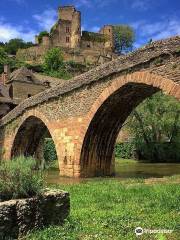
(8, 31)
(140, 4)
(80, 3)
(46, 19)
(158, 30)
(95, 29)
(93, 3)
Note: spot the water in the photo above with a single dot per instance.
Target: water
(124, 169)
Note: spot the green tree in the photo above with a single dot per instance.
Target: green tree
(54, 65)
(124, 37)
(3, 59)
(155, 125)
(13, 45)
(12, 62)
(41, 35)
(53, 60)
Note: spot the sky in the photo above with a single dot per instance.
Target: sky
(151, 19)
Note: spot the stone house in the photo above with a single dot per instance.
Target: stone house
(21, 84)
(6, 103)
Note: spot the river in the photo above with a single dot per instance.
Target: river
(124, 169)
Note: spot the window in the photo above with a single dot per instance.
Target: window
(29, 78)
(88, 45)
(67, 30)
(109, 30)
(67, 39)
(11, 91)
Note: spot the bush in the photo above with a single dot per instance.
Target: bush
(159, 152)
(62, 73)
(53, 60)
(124, 150)
(49, 151)
(18, 179)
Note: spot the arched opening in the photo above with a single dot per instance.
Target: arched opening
(30, 141)
(97, 155)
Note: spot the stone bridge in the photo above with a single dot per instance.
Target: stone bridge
(84, 115)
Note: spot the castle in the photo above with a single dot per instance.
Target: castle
(79, 46)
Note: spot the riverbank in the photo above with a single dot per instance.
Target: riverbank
(106, 209)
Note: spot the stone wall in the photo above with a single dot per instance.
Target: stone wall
(23, 90)
(18, 217)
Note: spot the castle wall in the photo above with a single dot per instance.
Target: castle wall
(61, 34)
(76, 30)
(32, 54)
(66, 34)
(95, 45)
(66, 13)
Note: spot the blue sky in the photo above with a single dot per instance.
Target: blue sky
(154, 19)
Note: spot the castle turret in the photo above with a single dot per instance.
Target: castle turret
(71, 19)
(46, 41)
(107, 30)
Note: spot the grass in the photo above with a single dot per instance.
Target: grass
(110, 209)
(19, 180)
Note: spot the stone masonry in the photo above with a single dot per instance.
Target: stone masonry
(79, 46)
(20, 216)
(84, 115)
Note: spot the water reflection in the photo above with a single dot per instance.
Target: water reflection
(124, 170)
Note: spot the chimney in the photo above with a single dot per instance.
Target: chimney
(7, 69)
(6, 74)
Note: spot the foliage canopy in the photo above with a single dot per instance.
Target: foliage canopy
(124, 37)
(155, 125)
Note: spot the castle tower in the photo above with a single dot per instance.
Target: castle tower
(71, 20)
(107, 30)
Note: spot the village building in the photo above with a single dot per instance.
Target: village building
(21, 84)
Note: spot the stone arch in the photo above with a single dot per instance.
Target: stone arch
(109, 112)
(29, 136)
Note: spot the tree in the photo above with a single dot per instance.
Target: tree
(124, 37)
(54, 65)
(3, 59)
(14, 44)
(41, 35)
(53, 60)
(155, 125)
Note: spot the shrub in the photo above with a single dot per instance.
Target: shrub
(49, 151)
(158, 152)
(53, 60)
(124, 150)
(18, 179)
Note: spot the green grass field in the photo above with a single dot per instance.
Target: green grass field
(105, 209)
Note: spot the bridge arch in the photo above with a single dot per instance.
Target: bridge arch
(29, 137)
(108, 114)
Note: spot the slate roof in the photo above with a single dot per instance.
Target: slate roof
(53, 82)
(24, 75)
